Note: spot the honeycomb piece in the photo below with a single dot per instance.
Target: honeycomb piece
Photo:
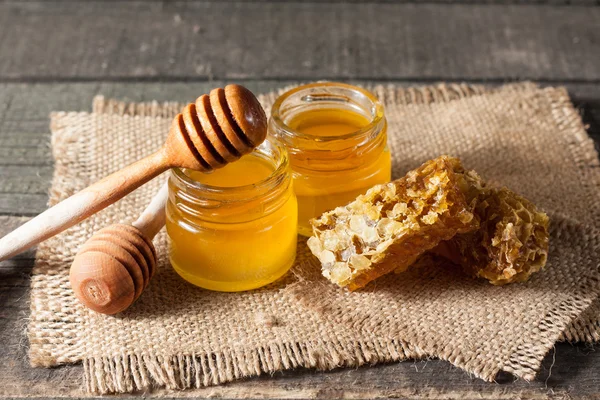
(510, 244)
(391, 225)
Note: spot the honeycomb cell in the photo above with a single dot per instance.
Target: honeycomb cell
(391, 225)
(510, 244)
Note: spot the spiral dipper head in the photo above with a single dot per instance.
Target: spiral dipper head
(112, 268)
(217, 129)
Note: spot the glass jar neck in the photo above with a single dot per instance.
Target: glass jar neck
(195, 202)
(329, 152)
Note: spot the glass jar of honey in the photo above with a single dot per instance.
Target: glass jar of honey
(336, 137)
(235, 228)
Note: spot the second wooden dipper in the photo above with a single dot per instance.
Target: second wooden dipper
(217, 129)
(115, 265)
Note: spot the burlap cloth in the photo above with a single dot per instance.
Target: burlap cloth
(179, 336)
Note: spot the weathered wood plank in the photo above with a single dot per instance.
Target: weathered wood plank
(520, 2)
(231, 40)
(13, 154)
(21, 179)
(22, 204)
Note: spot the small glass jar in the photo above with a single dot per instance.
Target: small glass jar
(336, 137)
(234, 229)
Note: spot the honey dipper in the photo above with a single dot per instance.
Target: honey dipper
(115, 265)
(215, 130)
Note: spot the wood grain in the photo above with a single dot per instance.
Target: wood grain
(179, 40)
(500, 2)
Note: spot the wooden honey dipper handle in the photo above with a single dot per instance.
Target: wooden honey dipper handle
(112, 268)
(81, 205)
(153, 218)
(217, 129)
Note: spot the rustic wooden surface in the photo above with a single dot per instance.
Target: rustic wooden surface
(294, 40)
(56, 55)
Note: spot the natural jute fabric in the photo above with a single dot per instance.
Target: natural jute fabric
(179, 336)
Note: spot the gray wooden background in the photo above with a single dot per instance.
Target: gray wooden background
(57, 55)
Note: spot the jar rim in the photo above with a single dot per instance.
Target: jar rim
(281, 164)
(375, 120)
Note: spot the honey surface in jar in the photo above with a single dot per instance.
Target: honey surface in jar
(328, 122)
(246, 171)
(336, 180)
(240, 242)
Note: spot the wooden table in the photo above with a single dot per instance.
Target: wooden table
(56, 55)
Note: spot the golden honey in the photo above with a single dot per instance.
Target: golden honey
(234, 229)
(336, 136)
(328, 122)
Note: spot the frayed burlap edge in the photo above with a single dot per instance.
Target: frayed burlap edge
(441, 93)
(131, 372)
(526, 359)
(586, 327)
